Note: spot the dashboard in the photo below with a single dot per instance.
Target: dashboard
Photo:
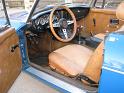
(40, 21)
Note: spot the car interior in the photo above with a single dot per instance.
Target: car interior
(68, 42)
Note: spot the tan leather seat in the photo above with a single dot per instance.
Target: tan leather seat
(120, 11)
(73, 60)
(70, 60)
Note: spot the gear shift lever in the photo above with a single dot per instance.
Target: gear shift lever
(79, 29)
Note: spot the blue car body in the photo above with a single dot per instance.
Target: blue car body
(112, 76)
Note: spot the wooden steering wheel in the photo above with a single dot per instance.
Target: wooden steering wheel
(63, 24)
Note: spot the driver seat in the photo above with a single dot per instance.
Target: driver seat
(73, 60)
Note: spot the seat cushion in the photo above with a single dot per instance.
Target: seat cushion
(70, 60)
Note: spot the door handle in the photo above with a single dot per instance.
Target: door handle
(114, 21)
(94, 22)
(13, 47)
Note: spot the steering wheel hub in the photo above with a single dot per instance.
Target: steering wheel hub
(63, 23)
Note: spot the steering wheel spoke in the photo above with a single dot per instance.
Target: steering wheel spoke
(56, 24)
(70, 22)
(61, 14)
(65, 33)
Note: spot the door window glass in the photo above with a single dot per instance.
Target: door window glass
(18, 9)
(112, 4)
(2, 15)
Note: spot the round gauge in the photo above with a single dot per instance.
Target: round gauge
(42, 21)
(55, 18)
(47, 18)
(37, 21)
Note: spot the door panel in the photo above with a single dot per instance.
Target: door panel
(98, 21)
(10, 60)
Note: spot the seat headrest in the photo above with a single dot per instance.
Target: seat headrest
(120, 11)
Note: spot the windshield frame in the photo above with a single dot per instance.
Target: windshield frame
(32, 10)
(6, 14)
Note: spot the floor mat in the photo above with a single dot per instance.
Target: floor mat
(41, 61)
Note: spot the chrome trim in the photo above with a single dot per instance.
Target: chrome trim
(113, 70)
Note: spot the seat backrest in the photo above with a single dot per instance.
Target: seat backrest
(120, 11)
(120, 15)
(93, 68)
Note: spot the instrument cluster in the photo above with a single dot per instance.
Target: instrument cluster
(42, 22)
(44, 19)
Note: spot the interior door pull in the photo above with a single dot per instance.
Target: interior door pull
(13, 47)
(94, 22)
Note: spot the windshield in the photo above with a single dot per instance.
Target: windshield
(42, 4)
(3, 20)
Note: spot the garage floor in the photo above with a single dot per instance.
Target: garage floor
(25, 83)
